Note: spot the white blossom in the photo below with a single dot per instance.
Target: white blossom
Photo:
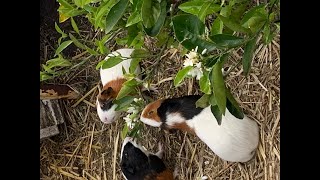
(128, 121)
(188, 62)
(132, 110)
(192, 58)
(204, 51)
(196, 72)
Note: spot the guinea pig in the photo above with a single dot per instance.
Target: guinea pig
(112, 80)
(235, 140)
(137, 163)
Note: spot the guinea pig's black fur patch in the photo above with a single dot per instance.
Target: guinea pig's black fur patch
(135, 165)
(105, 105)
(185, 105)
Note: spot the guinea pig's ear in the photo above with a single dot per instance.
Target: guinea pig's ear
(107, 91)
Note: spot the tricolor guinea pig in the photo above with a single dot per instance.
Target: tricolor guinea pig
(235, 140)
(139, 164)
(112, 80)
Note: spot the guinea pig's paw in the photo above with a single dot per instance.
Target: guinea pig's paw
(149, 87)
(154, 88)
(176, 172)
(160, 150)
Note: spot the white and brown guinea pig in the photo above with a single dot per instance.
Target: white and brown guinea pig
(139, 164)
(235, 140)
(112, 80)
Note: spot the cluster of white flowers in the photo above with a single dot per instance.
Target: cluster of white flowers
(133, 113)
(193, 60)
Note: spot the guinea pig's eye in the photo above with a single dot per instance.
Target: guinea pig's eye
(150, 112)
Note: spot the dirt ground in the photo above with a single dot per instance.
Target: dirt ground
(89, 149)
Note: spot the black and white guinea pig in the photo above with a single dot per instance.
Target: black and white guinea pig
(139, 164)
(112, 80)
(235, 140)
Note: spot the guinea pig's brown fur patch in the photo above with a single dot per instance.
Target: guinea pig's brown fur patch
(115, 85)
(183, 126)
(164, 175)
(150, 111)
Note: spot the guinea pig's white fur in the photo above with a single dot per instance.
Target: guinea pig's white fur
(235, 140)
(110, 74)
(115, 72)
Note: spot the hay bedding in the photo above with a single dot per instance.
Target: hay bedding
(88, 149)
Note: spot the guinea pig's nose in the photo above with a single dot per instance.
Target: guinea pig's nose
(105, 120)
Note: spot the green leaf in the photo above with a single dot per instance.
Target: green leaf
(127, 88)
(133, 32)
(131, 83)
(44, 76)
(212, 100)
(82, 46)
(219, 87)
(58, 62)
(217, 27)
(65, 4)
(233, 105)
(62, 47)
(90, 9)
(123, 103)
(199, 8)
(205, 83)
(112, 61)
(266, 34)
(206, 9)
(74, 26)
(162, 38)
(102, 48)
(137, 56)
(203, 102)
(248, 55)
(188, 30)
(226, 11)
(150, 12)
(100, 64)
(137, 5)
(192, 7)
(255, 11)
(134, 64)
(255, 18)
(122, 41)
(139, 53)
(115, 14)
(65, 13)
(124, 132)
(181, 75)
(154, 30)
(223, 58)
(272, 16)
(47, 69)
(81, 3)
(237, 13)
(138, 41)
(233, 25)
(134, 131)
(134, 18)
(59, 30)
(217, 114)
(227, 40)
(103, 10)
(211, 61)
(76, 42)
